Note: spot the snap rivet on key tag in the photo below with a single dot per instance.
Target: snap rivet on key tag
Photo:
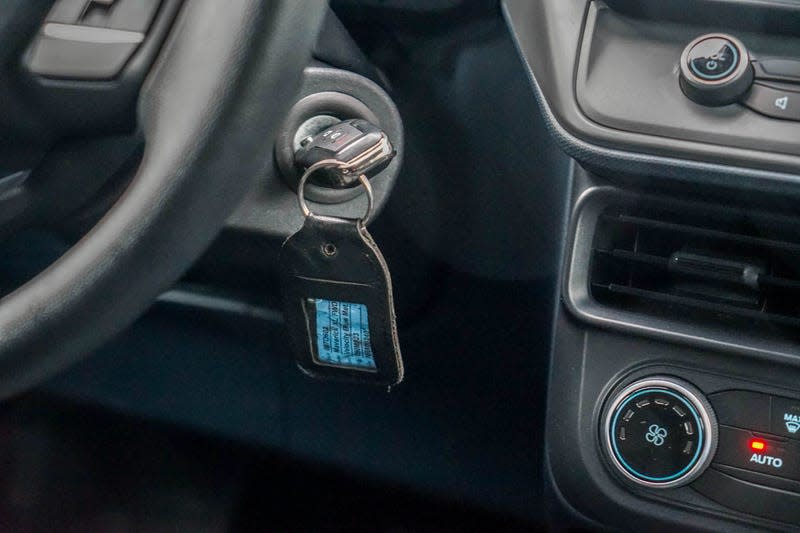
(338, 299)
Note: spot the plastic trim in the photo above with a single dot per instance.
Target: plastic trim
(640, 163)
(581, 304)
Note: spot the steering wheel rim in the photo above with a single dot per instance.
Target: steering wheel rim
(211, 105)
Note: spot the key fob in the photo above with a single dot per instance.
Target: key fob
(338, 303)
(357, 145)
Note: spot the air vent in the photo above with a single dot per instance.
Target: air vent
(699, 264)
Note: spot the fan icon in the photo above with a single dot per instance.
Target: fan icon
(656, 435)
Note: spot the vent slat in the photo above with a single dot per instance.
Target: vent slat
(704, 232)
(728, 266)
(699, 304)
(636, 257)
(779, 283)
(765, 280)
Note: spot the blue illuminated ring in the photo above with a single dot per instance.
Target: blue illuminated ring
(698, 422)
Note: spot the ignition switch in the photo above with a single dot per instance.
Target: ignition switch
(357, 146)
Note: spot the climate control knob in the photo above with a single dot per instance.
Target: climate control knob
(660, 432)
(715, 70)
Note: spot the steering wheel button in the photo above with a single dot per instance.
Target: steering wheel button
(71, 59)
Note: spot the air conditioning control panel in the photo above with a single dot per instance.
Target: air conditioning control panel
(760, 433)
(739, 448)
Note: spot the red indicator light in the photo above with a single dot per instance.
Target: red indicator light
(758, 445)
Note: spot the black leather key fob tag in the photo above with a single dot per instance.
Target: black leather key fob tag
(338, 303)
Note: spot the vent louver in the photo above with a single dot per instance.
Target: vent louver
(703, 264)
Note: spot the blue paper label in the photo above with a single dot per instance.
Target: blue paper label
(343, 334)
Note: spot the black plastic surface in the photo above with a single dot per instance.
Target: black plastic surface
(742, 409)
(748, 497)
(764, 480)
(337, 48)
(758, 412)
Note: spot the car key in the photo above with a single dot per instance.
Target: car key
(337, 294)
(360, 148)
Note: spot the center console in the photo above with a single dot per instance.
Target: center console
(674, 392)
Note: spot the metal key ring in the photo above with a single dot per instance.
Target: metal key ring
(332, 163)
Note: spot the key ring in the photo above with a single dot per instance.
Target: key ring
(332, 163)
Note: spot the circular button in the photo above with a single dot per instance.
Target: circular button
(713, 58)
(660, 432)
(715, 70)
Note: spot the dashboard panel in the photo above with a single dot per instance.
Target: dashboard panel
(552, 37)
(673, 397)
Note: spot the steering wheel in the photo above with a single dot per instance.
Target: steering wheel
(209, 107)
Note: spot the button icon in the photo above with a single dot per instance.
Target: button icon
(792, 422)
(782, 103)
(766, 460)
(785, 418)
(656, 435)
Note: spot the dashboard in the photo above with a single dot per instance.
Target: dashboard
(673, 396)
